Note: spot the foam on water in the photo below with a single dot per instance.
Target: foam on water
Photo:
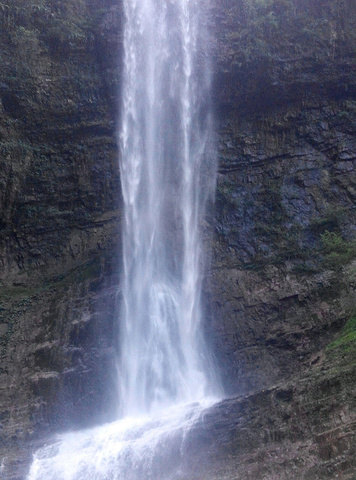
(134, 448)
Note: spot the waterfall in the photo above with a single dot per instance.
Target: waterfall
(167, 175)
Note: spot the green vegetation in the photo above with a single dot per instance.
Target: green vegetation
(346, 342)
(331, 220)
(17, 292)
(36, 24)
(44, 55)
(89, 270)
(282, 29)
(338, 251)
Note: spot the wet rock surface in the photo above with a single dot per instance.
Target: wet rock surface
(281, 287)
(59, 225)
(304, 428)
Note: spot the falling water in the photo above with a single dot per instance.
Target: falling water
(167, 175)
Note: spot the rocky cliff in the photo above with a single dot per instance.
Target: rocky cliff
(281, 286)
(59, 210)
(282, 272)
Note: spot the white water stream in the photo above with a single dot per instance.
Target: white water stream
(167, 175)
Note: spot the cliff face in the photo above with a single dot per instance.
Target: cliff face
(281, 285)
(59, 198)
(283, 270)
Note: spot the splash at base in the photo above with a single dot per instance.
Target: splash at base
(149, 448)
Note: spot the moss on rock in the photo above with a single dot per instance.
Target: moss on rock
(346, 342)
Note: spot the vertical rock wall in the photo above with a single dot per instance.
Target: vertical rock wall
(284, 253)
(59, 219)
